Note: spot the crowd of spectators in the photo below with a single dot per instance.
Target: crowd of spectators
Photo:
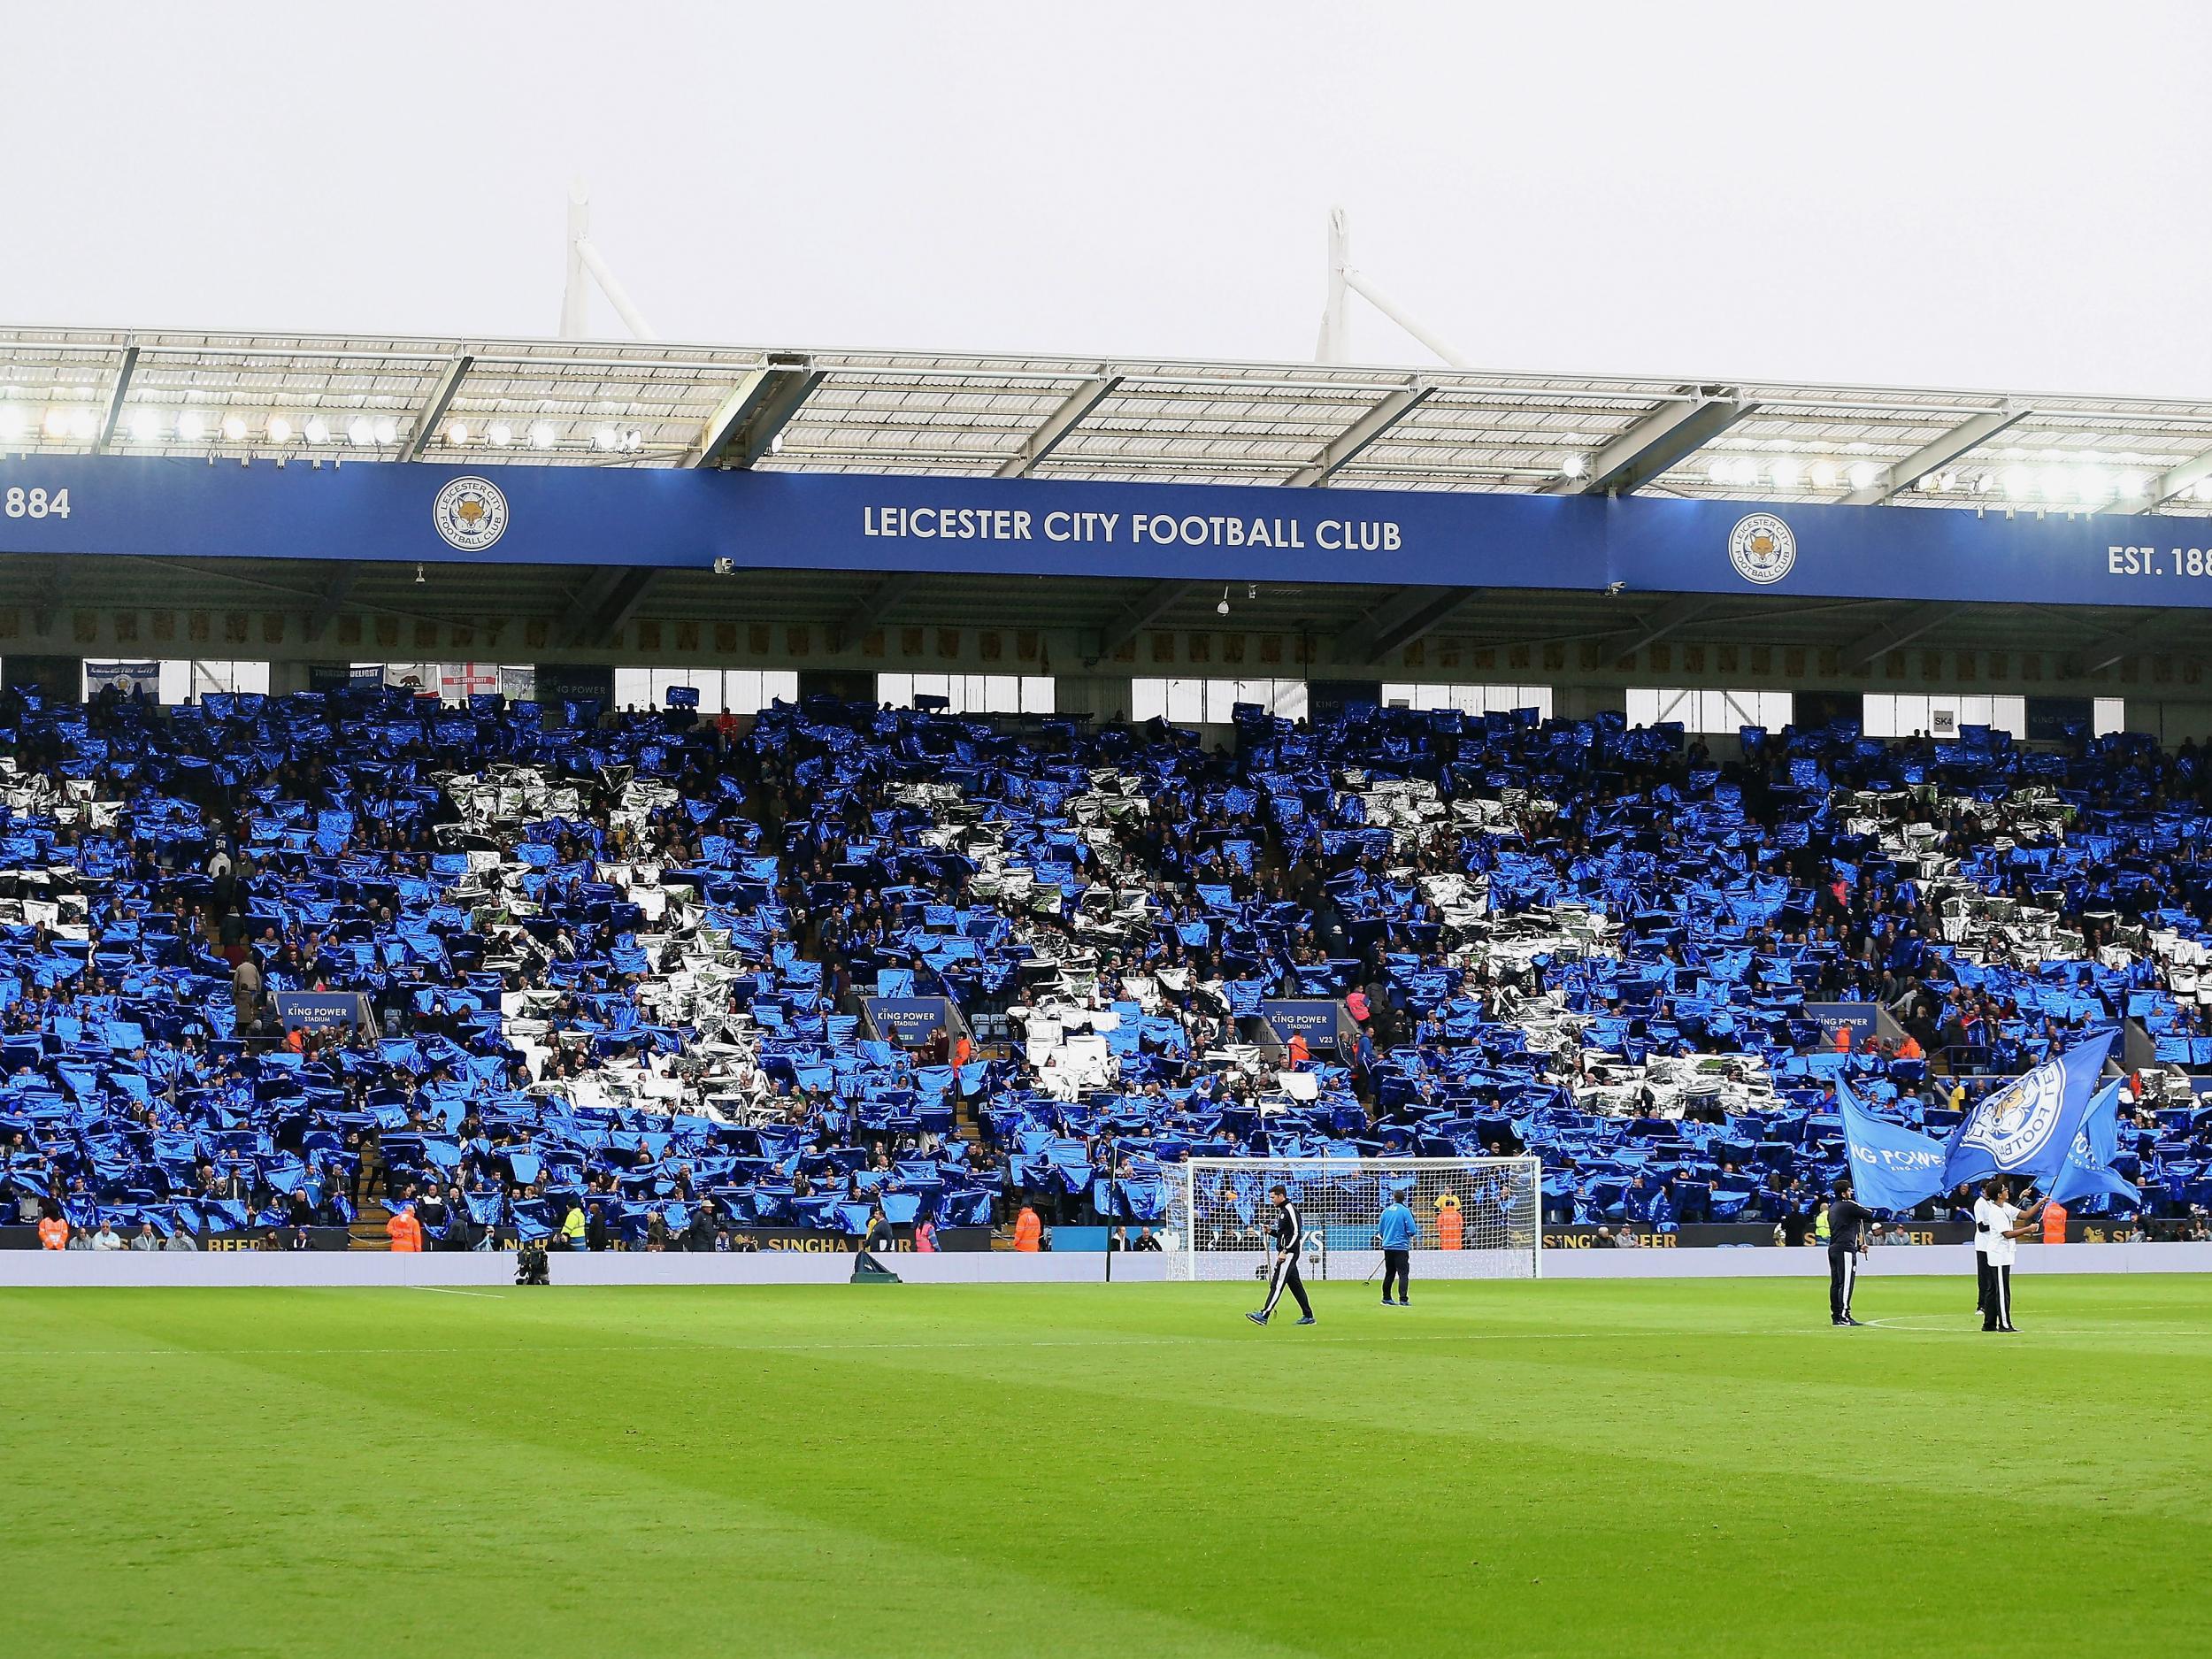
(609, 972)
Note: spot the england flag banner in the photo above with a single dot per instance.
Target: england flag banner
(1892, 1167)
(2028, 1126)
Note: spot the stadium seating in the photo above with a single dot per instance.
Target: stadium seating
(622, 960)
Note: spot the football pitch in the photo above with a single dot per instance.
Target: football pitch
(1562, 1467)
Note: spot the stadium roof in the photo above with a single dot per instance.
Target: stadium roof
(155, 392)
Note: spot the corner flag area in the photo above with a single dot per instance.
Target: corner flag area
(1572, 1468)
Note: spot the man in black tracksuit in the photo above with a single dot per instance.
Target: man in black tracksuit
(1286, 1235)
(1848, 1223)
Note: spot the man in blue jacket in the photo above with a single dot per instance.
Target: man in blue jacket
(1396, 1232)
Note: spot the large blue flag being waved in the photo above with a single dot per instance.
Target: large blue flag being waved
(2088, 1170)
(1892, 1167)
(2028, 1126)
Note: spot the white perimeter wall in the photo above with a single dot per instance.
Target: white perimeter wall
(465, 1267)
(1915, 1260)
(463, 1270)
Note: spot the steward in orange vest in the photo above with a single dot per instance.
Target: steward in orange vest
(1448, 1223)
(405, 1231)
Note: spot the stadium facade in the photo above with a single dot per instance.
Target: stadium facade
(1148, 537)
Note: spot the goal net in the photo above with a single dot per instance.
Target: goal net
(1474, 1217)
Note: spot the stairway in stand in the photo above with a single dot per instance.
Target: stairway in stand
(965, 1124)
(368, 1224)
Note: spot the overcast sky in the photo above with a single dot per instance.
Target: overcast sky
(2010, 197)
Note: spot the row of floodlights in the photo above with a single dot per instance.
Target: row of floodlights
(80, 424)
(2089, 485)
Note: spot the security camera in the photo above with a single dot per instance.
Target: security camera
(1612, 590)
(725, 566)
(1222, 610)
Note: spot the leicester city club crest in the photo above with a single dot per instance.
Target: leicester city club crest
(470, 513)
(1762, 548)
(2012, 1124)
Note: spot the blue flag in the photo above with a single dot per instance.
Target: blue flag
(2088, 1170)
(1892, 1167)
(2028, 1126)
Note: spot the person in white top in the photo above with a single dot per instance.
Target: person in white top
(108, 1238)
(1999, 1226)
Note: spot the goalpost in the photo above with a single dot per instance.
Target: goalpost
(1477, 1217)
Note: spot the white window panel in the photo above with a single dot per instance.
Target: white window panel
(706, 681)
(188, 678)
(1177, 701)
(1704, 712)
(970, 693)
(1222, 696)
(633, 687)
(1468, 699)
(2107, 715)
(2010, 715)
(1285, 698)
(750, 690)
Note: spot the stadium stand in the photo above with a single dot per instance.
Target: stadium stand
(627, 962)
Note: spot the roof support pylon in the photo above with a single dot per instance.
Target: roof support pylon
(1345, 280)
(586, 261)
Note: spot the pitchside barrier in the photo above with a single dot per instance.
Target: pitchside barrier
(478, 1272)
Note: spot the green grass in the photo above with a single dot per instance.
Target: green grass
(1569, 1468)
